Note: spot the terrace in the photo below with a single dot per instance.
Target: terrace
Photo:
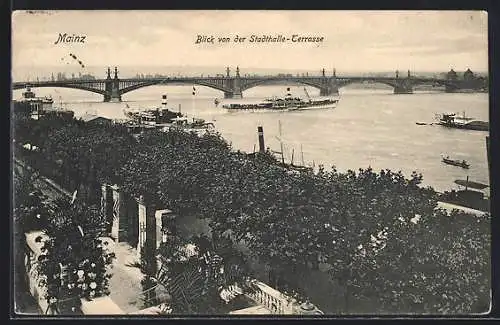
(127, 295)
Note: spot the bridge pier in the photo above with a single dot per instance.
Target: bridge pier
(403, 86)
(329, 91)
(329, 87)
(112, 88)
(403, 89)
(116, 98)
(112, 98)
(236, 95)
(236, 89)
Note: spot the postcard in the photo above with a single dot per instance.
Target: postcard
(241, 163)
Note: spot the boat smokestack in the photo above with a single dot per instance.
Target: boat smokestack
(260, 131)
(163, 105)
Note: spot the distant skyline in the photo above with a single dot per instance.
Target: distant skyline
(358, 41)
(32, 73)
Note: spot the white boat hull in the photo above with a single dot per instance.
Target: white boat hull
(306, 108)
(290, 108)
(288, 103)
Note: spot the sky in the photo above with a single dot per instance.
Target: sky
(353, 40)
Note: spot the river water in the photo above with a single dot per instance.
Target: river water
(369, 127)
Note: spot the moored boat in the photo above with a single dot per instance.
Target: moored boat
(191, 124)
(37, 107)
(155, 117)
(471, 196)
(452, 120)
(459, 163)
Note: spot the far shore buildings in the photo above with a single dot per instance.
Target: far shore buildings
(469, 81)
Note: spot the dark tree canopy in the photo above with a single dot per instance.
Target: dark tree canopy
(378, 232)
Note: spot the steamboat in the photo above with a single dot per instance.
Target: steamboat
(287, 103)
(154, 117)
(37, 107)
(452, 120)
(164, 119)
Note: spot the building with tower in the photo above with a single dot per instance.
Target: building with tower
(469, 75)
(452, 75)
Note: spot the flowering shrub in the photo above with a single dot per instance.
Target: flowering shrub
(74, 260)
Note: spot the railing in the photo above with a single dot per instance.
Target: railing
(37, 288)
(184, 78)
(275, 301)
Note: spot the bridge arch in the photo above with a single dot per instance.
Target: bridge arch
(267, 81)
(70, 86)
(173, 81)
(347, 82)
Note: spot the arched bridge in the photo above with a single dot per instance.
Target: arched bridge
(233, 86)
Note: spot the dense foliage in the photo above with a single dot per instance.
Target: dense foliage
(30, 208)
(379, 233)
(74, 262)
(28, 213)
(196, 272)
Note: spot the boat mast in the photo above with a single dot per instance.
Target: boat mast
(281, 143)
(302, 155)
(193, 102)
(307, 94)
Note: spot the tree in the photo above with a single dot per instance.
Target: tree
(435, 264)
